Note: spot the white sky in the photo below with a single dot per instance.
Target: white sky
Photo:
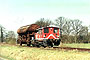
(16, 13)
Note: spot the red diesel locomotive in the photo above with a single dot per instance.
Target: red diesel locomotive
(45, 36)
(48, 35)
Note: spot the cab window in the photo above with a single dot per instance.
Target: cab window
(40, 31)
(55, 30)
(46, 30)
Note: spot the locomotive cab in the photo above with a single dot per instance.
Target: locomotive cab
(48, 35)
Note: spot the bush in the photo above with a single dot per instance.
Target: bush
(10, 40)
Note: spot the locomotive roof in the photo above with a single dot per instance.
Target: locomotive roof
(50, 27)
(47, 27)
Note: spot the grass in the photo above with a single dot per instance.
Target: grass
(78, 45)
(26, 53)
(5, 58)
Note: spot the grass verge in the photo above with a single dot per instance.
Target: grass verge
(77, 45)
(27, 53)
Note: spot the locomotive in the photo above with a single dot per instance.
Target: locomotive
(36, 36)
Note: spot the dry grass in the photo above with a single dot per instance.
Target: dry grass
(78, 45)
(26, 53)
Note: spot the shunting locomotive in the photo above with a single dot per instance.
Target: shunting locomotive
(33, 35)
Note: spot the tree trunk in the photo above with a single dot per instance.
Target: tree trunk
(75, 38)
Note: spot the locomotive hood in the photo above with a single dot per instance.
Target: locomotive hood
(26, 28)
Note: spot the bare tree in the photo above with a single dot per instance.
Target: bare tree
(2, 33)
(84, 37)
(77, 26)
(73, 30)
(68, 27)
(10, 34)
(60, 22)
(84, 30)
(10, 37)
(43, 22)
(89, 27)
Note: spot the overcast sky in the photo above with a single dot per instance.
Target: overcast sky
(16, 13)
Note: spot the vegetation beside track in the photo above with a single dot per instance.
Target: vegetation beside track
(13, 52)
(77, 45)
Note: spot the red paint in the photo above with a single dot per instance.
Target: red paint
(40, 35)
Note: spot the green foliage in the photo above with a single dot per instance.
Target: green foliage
(80, 39)
(11, 40)
(68, 39)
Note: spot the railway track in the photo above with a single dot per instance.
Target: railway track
(70, 48)
(57, 48)
(63, 48)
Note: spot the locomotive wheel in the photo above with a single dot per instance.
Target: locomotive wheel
(51, 45)
(37, 46)
(44, 44)
(33, 45)
(21, 43)
(28, 44)
(57, 42)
